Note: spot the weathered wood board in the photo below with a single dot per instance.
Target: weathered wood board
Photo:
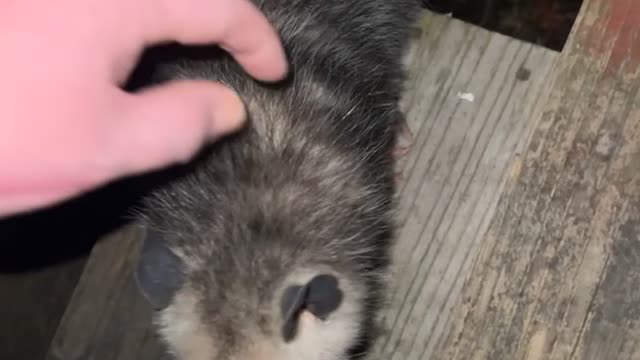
(453, 178)
(42, 256)
(31, 305)
(558, 274)
(107, 318)
(455, 172)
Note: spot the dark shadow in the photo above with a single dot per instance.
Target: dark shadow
(69, 230)
(543, 22)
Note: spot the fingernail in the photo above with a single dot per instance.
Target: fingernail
(229, 115)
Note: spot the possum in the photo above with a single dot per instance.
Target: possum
(275, 244)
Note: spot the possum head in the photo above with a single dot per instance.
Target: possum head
(309, 313)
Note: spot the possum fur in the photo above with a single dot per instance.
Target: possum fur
(275, 244)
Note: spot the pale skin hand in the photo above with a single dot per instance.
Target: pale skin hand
(65, 124)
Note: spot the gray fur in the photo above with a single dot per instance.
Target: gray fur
(306, 189)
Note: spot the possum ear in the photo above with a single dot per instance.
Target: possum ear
(159, 273)
(320, 296)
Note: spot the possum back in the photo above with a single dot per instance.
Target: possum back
(275, 244)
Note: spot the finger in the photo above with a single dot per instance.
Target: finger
(15, 204)
(169, 124)
(235, 25)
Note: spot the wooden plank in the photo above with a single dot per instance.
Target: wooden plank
(107, 318)
(41, 259)
(31, 305)
(454, 173)
(558, 274)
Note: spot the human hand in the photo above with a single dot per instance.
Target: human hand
(66, 125)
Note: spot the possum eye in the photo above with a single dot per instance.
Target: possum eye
(159, 273)
(320, 296)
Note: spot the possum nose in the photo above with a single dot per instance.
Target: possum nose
(324, 296)
(321, 296)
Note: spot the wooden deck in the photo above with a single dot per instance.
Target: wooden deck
(558, 274)
(456, 171)
(520, 207)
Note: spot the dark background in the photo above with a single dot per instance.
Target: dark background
(544, 22)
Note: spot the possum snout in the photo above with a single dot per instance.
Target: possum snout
(321, 312)
(320, 297)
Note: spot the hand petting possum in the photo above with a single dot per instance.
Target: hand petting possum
(275, 244)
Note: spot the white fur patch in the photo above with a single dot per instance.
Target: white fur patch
(182, 329)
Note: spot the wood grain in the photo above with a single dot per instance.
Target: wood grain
(457, 168)
(558, 273)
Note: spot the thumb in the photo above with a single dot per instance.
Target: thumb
(169, 123)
